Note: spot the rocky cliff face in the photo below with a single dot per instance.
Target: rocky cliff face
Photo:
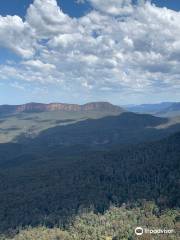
(40, 107)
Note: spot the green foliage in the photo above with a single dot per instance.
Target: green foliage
(40, 233)
(45, 181)
(117, 223)
(49, 185)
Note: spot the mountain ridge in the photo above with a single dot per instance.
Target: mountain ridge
(41, 107)
(173, 109)
(163, 109)
(149, 108)
(125, 128)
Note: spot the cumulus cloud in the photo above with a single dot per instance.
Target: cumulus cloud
(113, 7)
(37, 64)
(47, 19)
(16, 35)
(117, 47)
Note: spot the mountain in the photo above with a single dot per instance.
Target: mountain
(103, 133)
(126, 128)
(148, 108)
(63, 161)
(97, 123)
(100, 133)
(51, 184)
(41, 107)
(171, 111)
(30, 119)
(164, 109)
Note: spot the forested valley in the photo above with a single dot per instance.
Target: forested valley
(50, 185)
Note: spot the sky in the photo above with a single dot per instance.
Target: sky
(78, 51)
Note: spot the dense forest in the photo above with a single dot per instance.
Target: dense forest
(68, 180)
(50, 185)
(117, 223)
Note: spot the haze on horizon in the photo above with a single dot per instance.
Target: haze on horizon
(123, 52)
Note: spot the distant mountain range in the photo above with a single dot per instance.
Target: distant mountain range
(95, 123)
(164, 109)
(32, 118)
(171, 111)
(41, 107)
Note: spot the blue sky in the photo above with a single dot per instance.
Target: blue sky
(19, 7)
(93, 50)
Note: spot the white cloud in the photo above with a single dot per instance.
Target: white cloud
(80, 1)
(16, 35)
(47, 19)
(113, 7)
(37, 64)
(117, 47)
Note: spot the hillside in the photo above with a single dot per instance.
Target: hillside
(116, 223)
(164, 109)
(148, 108)
(49, 185)
(93, 123)
(31, 119)
(126, 128)
(74, 160)
(171, 111)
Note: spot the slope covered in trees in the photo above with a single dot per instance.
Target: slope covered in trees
(31, 119)
(126, 128)
(117, 223)
(49, 185)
